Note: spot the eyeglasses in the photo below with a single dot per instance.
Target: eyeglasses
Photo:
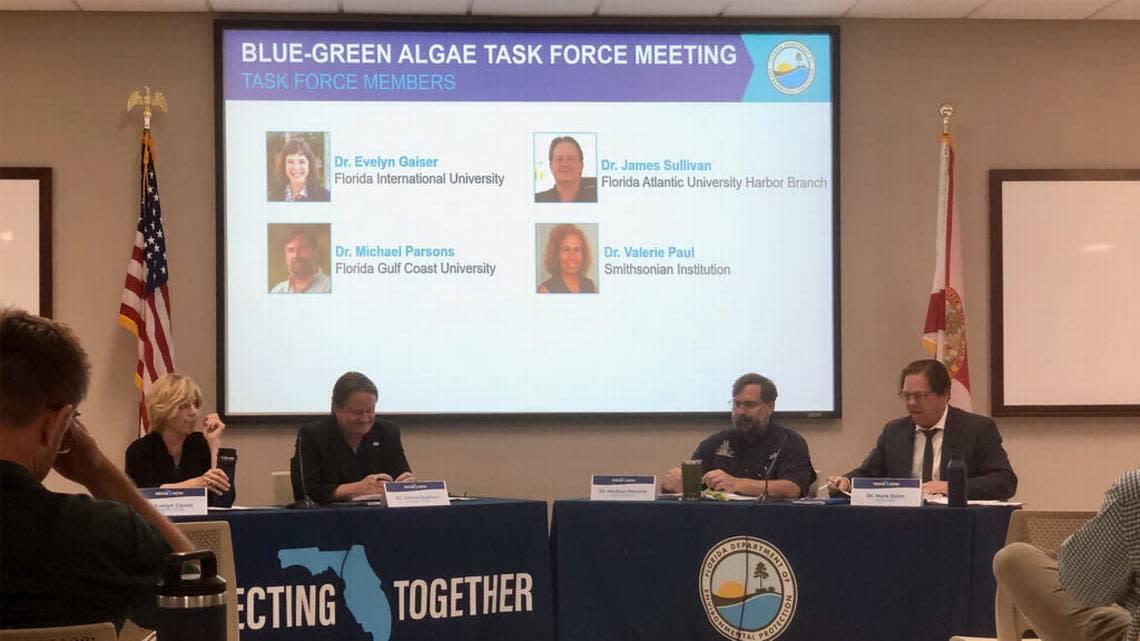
(357, 413)
(917, 397)
(744, 405)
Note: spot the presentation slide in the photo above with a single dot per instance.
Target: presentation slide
(526, 222)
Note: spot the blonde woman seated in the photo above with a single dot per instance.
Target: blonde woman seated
(173, 455)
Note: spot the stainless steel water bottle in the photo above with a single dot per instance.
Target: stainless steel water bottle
(191, 605)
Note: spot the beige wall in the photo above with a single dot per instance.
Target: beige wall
(1027, 95)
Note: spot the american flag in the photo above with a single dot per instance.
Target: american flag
(145, 309)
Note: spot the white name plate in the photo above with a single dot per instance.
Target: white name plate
(887, 492)
(416, 494)
(190, 501)
(608, 487)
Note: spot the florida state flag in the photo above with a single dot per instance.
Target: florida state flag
(945, 332)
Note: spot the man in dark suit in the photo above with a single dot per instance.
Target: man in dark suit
(351, 452)
(920, 444)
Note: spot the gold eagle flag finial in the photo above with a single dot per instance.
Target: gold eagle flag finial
(147, 100)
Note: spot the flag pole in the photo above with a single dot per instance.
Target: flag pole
(946, 110)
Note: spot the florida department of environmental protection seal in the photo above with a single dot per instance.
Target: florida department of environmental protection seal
(748, 589)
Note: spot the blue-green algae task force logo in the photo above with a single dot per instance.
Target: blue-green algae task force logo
(748, 589)
(791, 67)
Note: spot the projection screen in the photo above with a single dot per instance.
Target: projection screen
(526, 218)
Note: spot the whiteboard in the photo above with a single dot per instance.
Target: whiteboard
(25, 238)
(1065, 247)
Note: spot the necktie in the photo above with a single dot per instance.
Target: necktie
(928, 456)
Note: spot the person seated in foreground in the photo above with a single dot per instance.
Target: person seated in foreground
(755, 457)
(351, 452)
(173, 455)
(67, 559)
(920, 444)
(1091, 589)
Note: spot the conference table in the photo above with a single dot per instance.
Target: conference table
(477, 569)
(709, 570)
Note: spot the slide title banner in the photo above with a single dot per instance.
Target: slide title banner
(532, 67)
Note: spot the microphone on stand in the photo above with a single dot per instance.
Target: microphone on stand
(771, 464)
(305, 502)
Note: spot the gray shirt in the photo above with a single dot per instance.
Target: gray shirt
(320, 284)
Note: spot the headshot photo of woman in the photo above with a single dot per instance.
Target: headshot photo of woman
(295, 173)
(567, 259)
(566, 164)
(173, 455)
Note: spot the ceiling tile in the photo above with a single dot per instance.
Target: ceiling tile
(911, 9)
(36, 5)
(661, 7)
(426, 7)
(1119, 10)
(143, 5)
(788, 8)
(532, 8)
(276, 6)
(890, 9)
(1039, 9)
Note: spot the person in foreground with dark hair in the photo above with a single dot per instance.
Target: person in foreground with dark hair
(1091, 589)
(67, 559)
(351, 452)
(566, 164)
(920, 444)
(755, 448)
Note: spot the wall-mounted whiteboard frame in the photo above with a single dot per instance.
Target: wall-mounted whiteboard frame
(1065, 262)
(25, 238)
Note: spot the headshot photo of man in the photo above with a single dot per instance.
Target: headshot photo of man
(296, 162)
(560, 162)
(298, 258)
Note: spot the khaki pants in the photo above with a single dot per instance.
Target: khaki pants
(1029, 576)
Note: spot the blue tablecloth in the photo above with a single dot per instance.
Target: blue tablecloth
(674, 570)
(475, 570)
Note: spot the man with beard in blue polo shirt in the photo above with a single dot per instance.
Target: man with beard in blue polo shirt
(756, 457)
